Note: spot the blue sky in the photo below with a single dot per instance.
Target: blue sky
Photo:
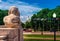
(29, 7)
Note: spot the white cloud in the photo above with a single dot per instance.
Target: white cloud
(0, 0)
(27, 11)
(29, 8)
(24, 8)
(21, 16)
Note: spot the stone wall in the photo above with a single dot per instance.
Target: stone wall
(9, 34)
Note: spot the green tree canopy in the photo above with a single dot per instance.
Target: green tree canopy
(3, 13)
(45, 14)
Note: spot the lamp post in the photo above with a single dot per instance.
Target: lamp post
(54, 16)
(35, 24)
(38, 19)
(43, 26)
(58, 24)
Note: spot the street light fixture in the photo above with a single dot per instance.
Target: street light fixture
(54, 16)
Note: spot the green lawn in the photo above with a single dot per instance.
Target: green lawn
(40, 36)
(38, 40)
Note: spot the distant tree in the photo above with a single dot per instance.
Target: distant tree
(27, 25)
(46, 14)
(34, 22)
(23, 25)
(2, 14)
(43, 13)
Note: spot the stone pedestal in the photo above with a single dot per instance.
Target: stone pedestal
(10, 34)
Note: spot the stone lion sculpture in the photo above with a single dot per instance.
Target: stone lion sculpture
(13, 18)
(13, 21)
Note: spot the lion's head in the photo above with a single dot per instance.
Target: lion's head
(13, 10)
(13, 17)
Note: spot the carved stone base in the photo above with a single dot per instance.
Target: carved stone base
(11, 34)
